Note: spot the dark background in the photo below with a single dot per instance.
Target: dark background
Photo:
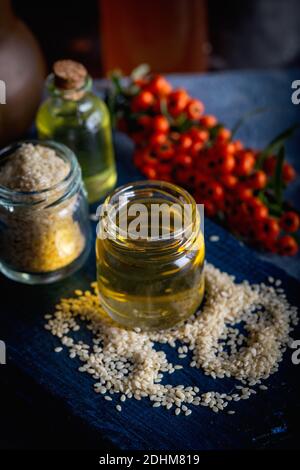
(235, 34)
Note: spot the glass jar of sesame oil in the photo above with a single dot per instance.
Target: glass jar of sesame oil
(76, 117)
(150, 255)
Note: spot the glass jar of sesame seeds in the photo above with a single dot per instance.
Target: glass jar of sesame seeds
(150, 255)
(44, 222)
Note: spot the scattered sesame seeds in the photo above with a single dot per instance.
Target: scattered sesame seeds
(129, 362)
(58, 349)
(214, 238)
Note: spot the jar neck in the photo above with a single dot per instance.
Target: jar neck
(150, 218)
(48, 197)
(74, 94)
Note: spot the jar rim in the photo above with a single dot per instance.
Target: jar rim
(60, 186)
(133, 190)
(156, 184)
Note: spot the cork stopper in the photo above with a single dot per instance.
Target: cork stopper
(69, 75)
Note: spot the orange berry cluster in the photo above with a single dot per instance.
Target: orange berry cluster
(177, 142)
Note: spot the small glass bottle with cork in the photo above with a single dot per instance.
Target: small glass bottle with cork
(76, 117)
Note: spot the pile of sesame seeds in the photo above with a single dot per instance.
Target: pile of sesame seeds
(241, 331)
(33, 168)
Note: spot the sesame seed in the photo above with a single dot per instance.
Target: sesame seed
(263, 387)
(214, 238)
(94, 217)
(58, 349)
(119, 408)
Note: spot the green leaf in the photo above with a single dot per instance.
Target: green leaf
(111, 108)
(214, 130)
(274, 208)
(296, 237)
(140, 71)
(133, 90)
(182, 123)
(116, 81)
(278, 179)
(275, 144)
(244, 118)
(164, 108)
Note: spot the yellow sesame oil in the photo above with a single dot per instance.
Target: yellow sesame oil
(152, 283)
